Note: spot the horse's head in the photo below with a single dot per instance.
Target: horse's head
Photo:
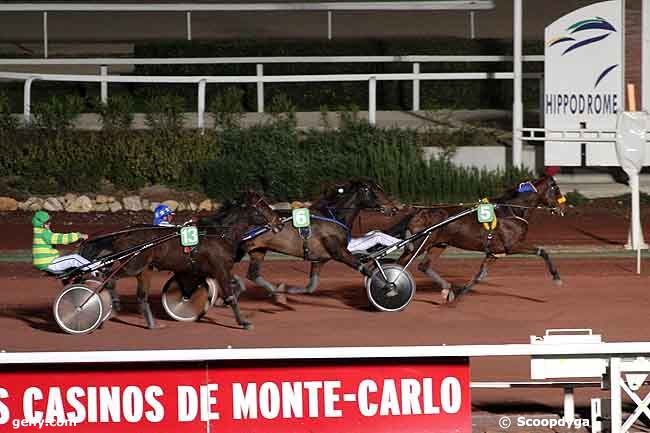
(549, 194)
(258, 203)
(362, 193)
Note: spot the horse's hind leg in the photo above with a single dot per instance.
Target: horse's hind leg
(144, 281)
(115, 298)
(256, 259)
(232, 299)
(314, 280)
(481, 274)
(426, 267)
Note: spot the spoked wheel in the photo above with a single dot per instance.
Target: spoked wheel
(79, 310)
(392, 292)
(188, 304)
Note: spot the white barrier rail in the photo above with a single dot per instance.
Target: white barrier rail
(259, 79)
(419, 5)
(263, 60)
(573, 350)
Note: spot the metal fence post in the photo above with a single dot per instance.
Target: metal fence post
(517, 105)
(372, 102)
(188, 19)
(416, 87)
(201, 107)
(45, 34)
(329, 25)
(103, 70)
(27, 100)
(616, 412)
(260, 88)
(472, 25)
(542, 101)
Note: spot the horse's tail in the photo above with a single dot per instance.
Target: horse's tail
(399, 229)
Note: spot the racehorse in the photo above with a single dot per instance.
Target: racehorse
(512, 210)
(214, 257)
(332, 217)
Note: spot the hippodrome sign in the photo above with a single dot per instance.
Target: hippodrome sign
(389, 395)
(583, 69)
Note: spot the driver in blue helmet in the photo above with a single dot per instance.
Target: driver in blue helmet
(163, 215)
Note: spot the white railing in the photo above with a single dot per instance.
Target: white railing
(570, 135)
(259, 78)
(188, 8)
(263, 60)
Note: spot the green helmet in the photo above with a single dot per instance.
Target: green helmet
(40, 218)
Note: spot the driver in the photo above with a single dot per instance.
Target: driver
(44, 255)
(163, 215)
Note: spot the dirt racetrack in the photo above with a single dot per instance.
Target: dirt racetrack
(600, 291)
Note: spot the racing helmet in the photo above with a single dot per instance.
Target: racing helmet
(40, 218)
(159, 214)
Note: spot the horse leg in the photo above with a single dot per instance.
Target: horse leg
(115, 298)
(426, 267)
(538, 251)
(239, 285)
(256, 259)
(314, 279)
(232, 299)
(144, 281)
(482, 273)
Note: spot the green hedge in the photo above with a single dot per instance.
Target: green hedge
(274, 158)
(51, 162)
(311, 96)
(287, 165)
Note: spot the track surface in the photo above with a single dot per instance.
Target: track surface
(517, 300)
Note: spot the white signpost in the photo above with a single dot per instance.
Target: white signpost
(583, 81)
(631, 153)
(584, 85)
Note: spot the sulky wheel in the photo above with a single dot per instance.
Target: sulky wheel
(188, 304)
(79, 310)
(394, 294)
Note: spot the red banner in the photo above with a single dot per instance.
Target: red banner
(375, 397)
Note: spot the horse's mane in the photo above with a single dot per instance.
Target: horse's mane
(229, 211)
(512, 192)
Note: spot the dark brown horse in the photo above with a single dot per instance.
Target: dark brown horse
(332, 217)
(513, 211)
(214, 257)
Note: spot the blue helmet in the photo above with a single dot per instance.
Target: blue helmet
(159, 214)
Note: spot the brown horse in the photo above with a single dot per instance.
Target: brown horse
(332, 218)
(214, 257)
(513, 210)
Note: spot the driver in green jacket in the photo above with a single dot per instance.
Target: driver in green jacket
(44, 255)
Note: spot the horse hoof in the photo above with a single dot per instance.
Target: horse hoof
(448, 295)
(558, 282)
(280, 298)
